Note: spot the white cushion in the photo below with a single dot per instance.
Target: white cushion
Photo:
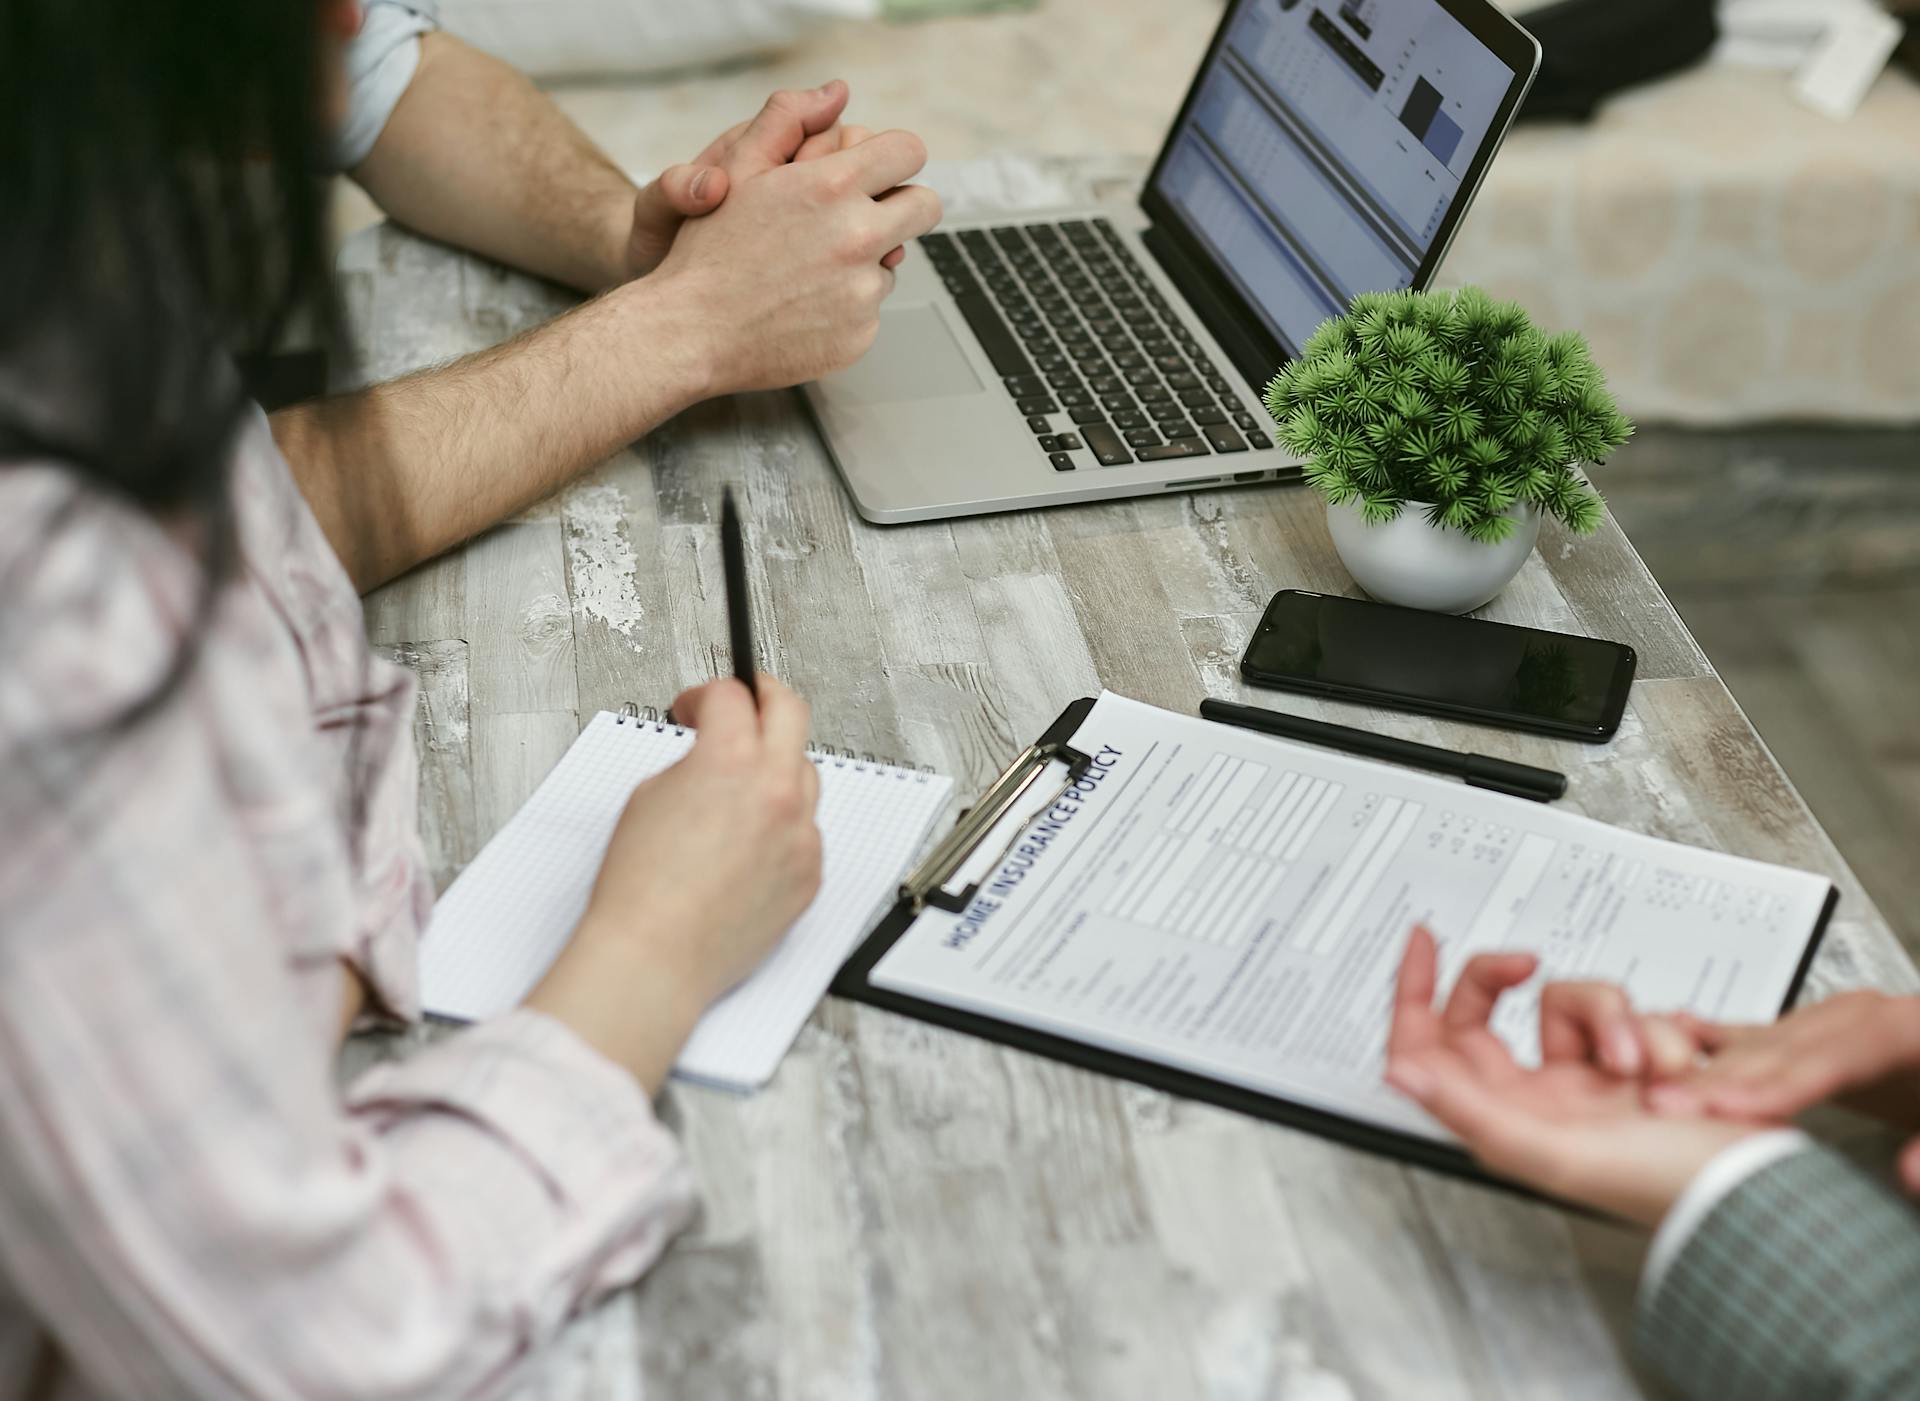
(574, 38)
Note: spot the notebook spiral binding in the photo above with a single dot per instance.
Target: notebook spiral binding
(822, 753)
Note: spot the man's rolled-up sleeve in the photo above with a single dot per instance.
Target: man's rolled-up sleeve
(381, 61)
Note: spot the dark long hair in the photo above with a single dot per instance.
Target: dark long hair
(160, 213)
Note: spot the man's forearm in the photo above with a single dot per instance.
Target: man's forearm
(402, 471)
(476, 156)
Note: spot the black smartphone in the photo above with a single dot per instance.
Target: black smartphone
(1438, 664)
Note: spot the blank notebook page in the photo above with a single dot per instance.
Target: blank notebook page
(505, 919)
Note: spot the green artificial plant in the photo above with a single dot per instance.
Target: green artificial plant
(1452, 402)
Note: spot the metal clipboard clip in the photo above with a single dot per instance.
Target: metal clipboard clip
(926, 885)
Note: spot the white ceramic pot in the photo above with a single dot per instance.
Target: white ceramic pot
(1417, 565)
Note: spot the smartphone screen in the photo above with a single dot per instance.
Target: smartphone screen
(1463, 668)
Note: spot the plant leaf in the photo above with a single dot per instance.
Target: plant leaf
(1445, 374)
(1492, 530)
(1450, 399)
(1280, 392)
(1302, 432)
(1460, 421)
(1379, 510)
(1447, 474)
(1329, 338)
(1497, 493)
(1584, 512)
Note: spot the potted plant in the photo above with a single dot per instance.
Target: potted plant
(1440, 427)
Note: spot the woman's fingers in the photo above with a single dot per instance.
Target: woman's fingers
(1594, 1023)
(784, 718)
(722, 712)
(1764, 1078)
(1415, 1027)
(1589, 1022)
(809, 784)
(1481, 982)
(1813, 1054)
(1761, 1086)
(1462, 1031)
(1497, 1132)
(1470, 1007)
(1487, 1055)
(1672, 1045)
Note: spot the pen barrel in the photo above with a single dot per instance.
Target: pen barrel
(1479, 770)
(1521, 780)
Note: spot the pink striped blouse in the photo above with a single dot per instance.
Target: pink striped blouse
(188, 1204)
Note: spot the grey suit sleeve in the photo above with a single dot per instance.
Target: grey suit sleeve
(1803, 1284)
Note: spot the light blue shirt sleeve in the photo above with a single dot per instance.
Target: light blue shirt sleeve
(381, 60)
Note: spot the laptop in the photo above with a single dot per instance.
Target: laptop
(1327, 148)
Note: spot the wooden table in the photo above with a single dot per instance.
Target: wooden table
(911, 1213)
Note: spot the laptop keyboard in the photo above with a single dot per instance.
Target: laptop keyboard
(1080, 335)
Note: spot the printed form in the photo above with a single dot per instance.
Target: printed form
(1236, 905)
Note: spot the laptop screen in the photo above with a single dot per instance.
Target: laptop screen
(1325, 145)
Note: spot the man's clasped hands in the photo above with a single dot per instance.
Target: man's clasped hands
(1626, 1107)
(808, 218)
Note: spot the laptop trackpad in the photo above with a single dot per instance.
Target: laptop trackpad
(916, 357)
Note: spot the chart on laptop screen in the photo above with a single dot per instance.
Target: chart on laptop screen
(1325, 146)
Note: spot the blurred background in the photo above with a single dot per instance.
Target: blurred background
(1739, 238)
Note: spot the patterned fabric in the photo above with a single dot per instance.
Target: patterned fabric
(1730, 254)
(187, 1204)
(1719, 1179)
(1803, 1284)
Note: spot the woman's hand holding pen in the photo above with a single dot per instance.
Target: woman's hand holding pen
(711, 862)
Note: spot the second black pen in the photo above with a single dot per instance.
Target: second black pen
(1479, 770)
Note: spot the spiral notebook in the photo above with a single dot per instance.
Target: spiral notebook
(505, 919)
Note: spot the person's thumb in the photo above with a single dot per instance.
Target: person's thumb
(688, 191)
(681, 192)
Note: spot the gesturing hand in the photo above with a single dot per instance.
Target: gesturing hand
(682, 192)
(1570, 1128)
(710, 863)
(1859, 1049)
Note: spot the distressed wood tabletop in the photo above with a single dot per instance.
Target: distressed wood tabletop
(910, 1213)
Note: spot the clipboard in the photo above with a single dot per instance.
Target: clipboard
(925, 888)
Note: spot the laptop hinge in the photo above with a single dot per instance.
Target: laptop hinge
(1216, 312)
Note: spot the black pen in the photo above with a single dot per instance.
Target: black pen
(733, 564)
(1480, 771)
